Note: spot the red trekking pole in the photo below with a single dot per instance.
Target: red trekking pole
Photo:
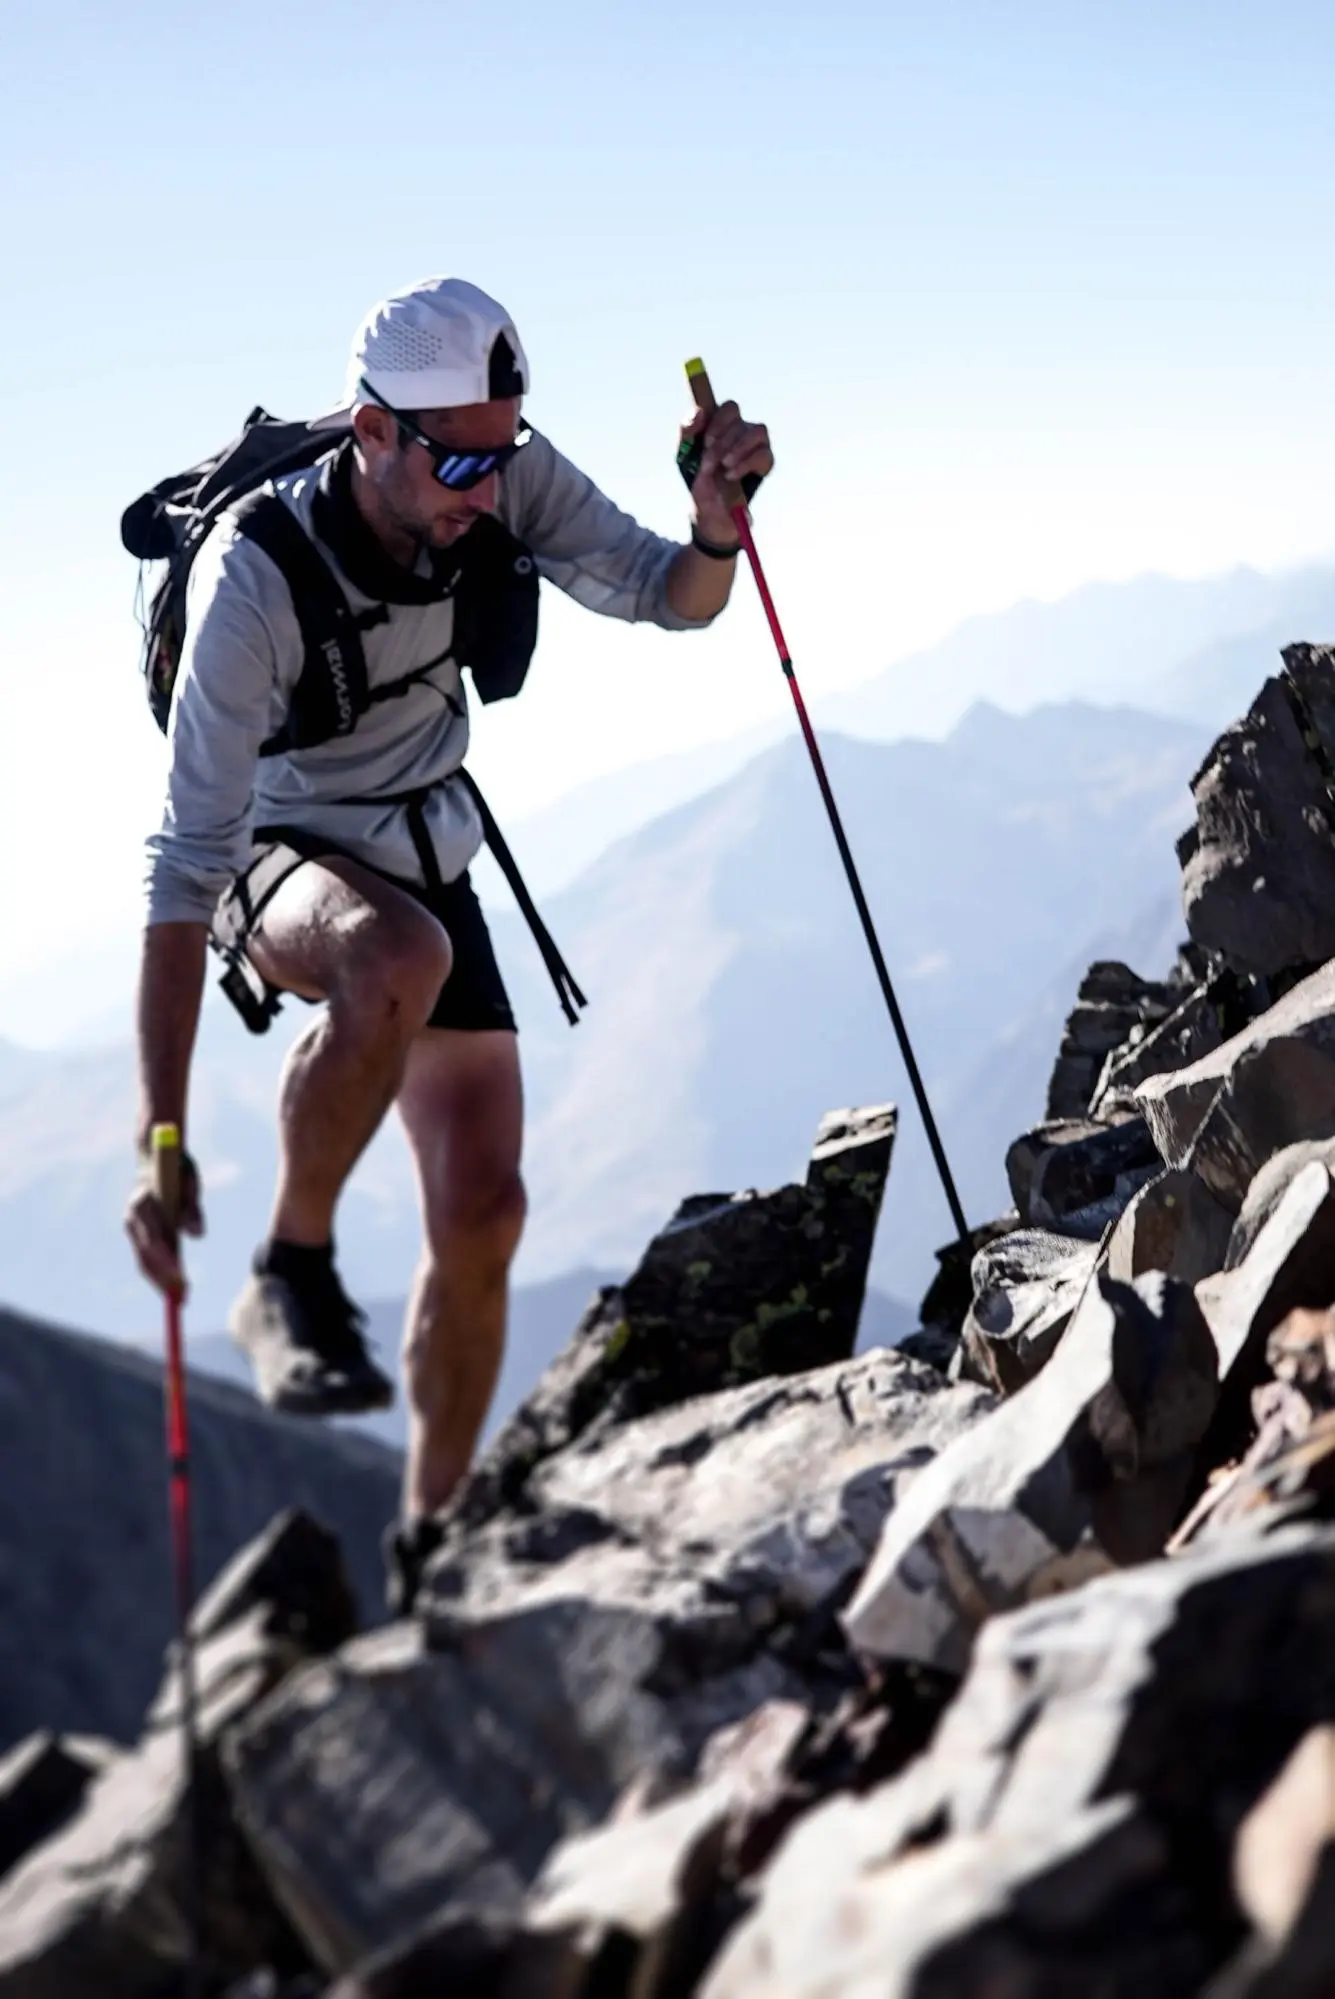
(704, 400)
(166, 1151)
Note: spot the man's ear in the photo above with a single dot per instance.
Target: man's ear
(374, 429)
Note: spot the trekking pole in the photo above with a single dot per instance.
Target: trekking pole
(704, 400)
(166, 1150)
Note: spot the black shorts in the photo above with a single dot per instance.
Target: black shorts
(473, 998)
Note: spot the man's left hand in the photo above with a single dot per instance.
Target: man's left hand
(733, 449)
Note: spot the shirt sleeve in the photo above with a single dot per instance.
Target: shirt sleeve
(225, 703)
(585, 544)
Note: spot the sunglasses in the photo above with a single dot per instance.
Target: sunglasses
(458, 471)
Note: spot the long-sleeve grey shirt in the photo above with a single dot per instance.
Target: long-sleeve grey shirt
(243, 655)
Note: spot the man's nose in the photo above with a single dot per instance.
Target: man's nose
(485, 496)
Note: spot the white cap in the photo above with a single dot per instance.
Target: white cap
(435, 346)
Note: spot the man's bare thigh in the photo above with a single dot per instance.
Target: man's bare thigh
(326, 913)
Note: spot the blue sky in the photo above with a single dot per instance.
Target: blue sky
(1030, 294)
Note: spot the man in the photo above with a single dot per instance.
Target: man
(376, 917)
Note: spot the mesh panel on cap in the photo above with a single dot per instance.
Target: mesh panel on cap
(407, 347)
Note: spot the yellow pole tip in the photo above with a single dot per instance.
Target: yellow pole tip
(695, 367)
(165, 1137)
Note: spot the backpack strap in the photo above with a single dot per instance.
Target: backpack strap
(558, 971)
(331, 695)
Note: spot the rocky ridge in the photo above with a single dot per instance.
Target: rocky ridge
(1002, 1664)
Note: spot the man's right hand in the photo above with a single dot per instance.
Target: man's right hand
(155, 1243)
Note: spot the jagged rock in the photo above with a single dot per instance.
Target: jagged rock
(1166, 1698)
(1087, 1464)
(1112, 1005)
(1173, 1224)
(101, 1907)
(396, 1786)
(88, 1606)
(1284, 1877)
(1271, 1086)
(42, 1783)
(1290, 1466)
(633, 1900)
(1026, 1286)
(1291, 1263)
(1076, 1176)
(1088, 1907)
(1258, 877)
(1268, 1189)
(737, 1287)
(945, 1305)
(655, 1582)
(1194, 1028)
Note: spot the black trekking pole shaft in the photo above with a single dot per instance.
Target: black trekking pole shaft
(704, 397)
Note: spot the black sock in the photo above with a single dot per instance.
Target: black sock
(293, 1260)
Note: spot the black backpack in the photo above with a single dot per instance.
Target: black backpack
(493, 584)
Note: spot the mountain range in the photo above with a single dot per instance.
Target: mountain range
(732, 1004)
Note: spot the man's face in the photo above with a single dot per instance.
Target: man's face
(403, 477)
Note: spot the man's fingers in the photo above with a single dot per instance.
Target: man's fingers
(154, 1245)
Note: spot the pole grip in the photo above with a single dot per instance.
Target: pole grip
(702, 390)
(165, 1148)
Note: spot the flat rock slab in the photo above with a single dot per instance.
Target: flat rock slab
(1087, 1464)
(1271, 1086)
(396, 1786)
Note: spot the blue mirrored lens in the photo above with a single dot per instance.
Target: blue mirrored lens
(466, 468)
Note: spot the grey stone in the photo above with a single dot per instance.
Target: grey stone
(1087, 1908)
(1073, 1824)
(1268, 1189)
(42, 1783)
(634, 1899)
(1026, 1286)
(1194, 1028)
(946, 1302)
(1284, 1878)
(88, 1605)
(1076, 1176)
(102, 1906)
(737, 1287)
(655, 1582)
(1271, 1086)
(1173, 1224)
(1143, 1682)
(1258, 867)
(1086, 1465)
(1112, 1005)
(1291, 1263)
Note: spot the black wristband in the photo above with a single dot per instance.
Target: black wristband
(712, 549)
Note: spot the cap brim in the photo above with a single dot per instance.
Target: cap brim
(340, 419)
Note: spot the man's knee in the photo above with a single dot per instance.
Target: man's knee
(480, 1219)
(390, 970)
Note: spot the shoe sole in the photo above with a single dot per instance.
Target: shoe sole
(311, 1399)
(327, 1402)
